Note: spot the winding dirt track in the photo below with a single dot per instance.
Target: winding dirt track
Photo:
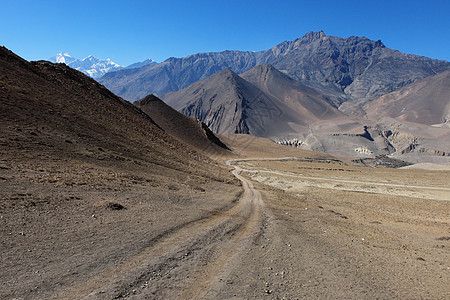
(320, 244)
(187, 263)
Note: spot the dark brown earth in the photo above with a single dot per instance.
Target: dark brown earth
(188, 130)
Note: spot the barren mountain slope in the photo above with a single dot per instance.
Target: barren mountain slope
(229, 104)
(187, 129)
(61, 106)
(426, 102)
(87, 180)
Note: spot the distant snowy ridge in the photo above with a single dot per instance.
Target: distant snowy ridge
(63, 57)
(93, 66)
(90, 65)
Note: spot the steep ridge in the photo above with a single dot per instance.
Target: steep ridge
(226, 103)
(342, 69)
(189, 130)
(425, 102)
(58, 105)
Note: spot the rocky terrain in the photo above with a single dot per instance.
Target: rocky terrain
(102, 200)
(267, 103)
(343, 69)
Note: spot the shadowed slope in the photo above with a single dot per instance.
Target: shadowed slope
(52, 108)
(87, 180)
(187, 129)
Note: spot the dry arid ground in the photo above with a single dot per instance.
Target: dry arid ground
(305, 227)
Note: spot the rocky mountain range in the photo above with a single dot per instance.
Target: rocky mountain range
(353, 70)
(267, 103)
(94, 67)
(262, 102)
(349, 96)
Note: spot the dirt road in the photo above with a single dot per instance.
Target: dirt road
(318, 243)
(191, 262)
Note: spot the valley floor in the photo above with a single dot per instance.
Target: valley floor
(297, 228)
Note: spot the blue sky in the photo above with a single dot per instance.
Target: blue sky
(129, 31)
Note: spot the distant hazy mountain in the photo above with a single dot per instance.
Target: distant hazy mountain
(341, 69)
(141, 64)
(90, 65)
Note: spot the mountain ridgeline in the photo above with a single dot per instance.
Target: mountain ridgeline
(56, 110)
(262, 102)
(354, 69)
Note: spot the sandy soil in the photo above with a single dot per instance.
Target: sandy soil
(310, 227)
(429, 166)
(61, 226)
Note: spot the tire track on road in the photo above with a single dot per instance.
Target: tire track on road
(160, 270)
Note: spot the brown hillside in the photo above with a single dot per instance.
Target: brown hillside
(308, 104)
(187, 129)
(425, 102)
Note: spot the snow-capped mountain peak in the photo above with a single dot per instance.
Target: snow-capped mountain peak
(90, 65)
(63, 57)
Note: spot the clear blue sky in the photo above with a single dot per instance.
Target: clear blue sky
(129, 31)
